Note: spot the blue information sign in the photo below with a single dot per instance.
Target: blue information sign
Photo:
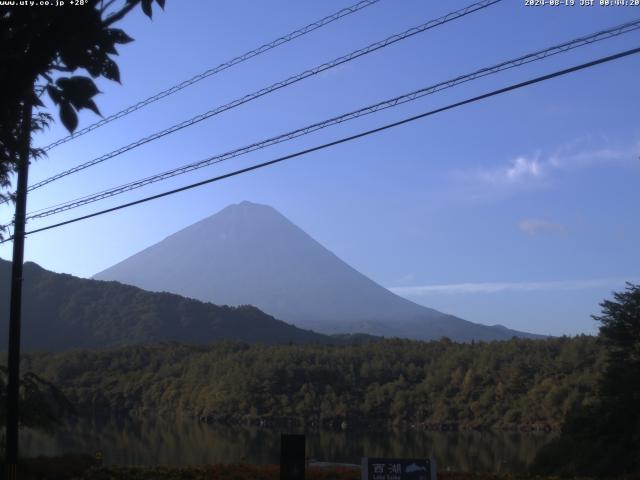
(398, 469)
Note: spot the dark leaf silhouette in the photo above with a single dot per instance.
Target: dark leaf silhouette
(91, 105)
(68, 116)
(40, 48)
(146, 7)
(110, 70)
(82, 85)
(119, 36)
(35, 100)
(55, 94)
(78, 91)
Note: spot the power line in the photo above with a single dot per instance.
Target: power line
(525, 59)
(213, 71)
(276, 86)
(344, 139)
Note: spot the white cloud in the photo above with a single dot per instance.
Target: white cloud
(526, 170)
(533, 226)
(495, 287)
(520, 170)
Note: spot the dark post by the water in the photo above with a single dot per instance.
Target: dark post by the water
(292, 457)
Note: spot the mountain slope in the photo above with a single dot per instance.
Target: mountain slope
(251, 254)
(62, 311)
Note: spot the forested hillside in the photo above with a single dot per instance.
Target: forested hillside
(497, 384)
(62, 311)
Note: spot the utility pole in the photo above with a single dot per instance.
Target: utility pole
(15, 309)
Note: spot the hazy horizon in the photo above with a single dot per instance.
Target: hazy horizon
(494, 295)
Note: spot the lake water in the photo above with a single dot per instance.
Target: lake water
(188, 442)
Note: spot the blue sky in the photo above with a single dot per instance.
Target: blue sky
(521, 210)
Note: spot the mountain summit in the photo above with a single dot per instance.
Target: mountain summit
(251, 254)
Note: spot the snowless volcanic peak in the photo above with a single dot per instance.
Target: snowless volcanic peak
(249, 253)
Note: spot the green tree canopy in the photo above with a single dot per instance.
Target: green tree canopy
(620, 333)
(42, 49)
(603, 437)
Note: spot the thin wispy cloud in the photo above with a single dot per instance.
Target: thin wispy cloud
(409, 277)
(535, 226)
(496, 287)
(567, 160)
(534, 169)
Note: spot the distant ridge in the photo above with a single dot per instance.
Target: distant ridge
(251, 254)
(62, 312)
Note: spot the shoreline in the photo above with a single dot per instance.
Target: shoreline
(351, 423)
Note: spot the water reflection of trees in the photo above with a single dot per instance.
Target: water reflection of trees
(185, 441)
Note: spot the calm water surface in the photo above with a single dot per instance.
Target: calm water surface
(128, 441)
